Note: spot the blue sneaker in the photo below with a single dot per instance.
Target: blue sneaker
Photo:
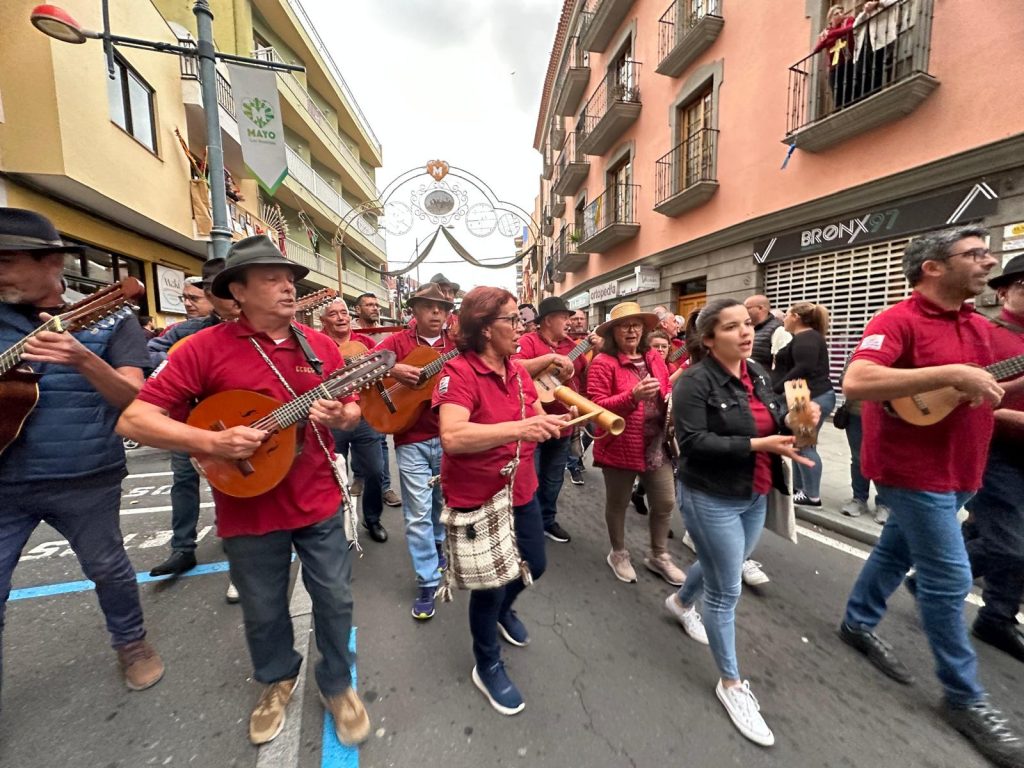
(499, 690)
(423, 605)
(513, 630)
(442, 561)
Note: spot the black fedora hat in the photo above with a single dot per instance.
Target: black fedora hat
(440, 279)
(430, 292)
(1013, 270)
(212, 268)
(255, 251)
(550, 305)
(22, 230)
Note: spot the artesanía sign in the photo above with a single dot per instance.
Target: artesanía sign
(884, 223)
(260, 128)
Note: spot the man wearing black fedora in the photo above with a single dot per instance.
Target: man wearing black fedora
(266, 352)
(547, 349)
(995, 532)
(65, 464)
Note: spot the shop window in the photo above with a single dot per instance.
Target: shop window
(131, 104)
(86, 273)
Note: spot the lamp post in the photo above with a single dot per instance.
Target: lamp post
(57, 23)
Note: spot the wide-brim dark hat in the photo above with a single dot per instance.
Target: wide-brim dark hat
(22, 230)
(550, 305)
(255, 251)
(430, 292)
(442, 280)
(1013, 270)
(212, 268)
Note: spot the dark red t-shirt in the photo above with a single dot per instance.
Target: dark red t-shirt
(764, 423)
(470, 479)
(221, 358)
(402, 343)
(532, 345)
(944, 457)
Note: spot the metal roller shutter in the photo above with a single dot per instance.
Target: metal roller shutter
(853, 285)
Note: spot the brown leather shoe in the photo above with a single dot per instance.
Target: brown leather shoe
(351, 722)
(267, 718)
(140, 664)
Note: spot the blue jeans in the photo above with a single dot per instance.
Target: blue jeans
(576, 462)
(86, 512)
(364, 441)
(421, 504)
(486, 606)
(358, 470)
(808, 479)
(725, 531)
(184, 503)
(260, 569)
(549, 460)
(859, 484)
(922, 531)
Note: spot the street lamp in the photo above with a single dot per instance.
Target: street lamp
(57, 23)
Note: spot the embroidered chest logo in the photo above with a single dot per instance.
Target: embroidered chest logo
(304, 369)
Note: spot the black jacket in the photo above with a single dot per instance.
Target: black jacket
(805, 357)
(714, 425)
(762, 351)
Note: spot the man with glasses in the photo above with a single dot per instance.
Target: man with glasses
(194, 298)
(995, 532)
(924, 474)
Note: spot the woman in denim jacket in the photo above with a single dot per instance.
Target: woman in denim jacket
(728, 423)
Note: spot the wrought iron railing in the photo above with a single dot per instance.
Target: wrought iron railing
(190, 71)
(567, 241)
(616, 205)
(570, 154)
(619, 86)
(850, 69)
(690, 162)
(677, 22)
(575, 58)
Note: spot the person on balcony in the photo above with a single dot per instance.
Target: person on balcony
(875, 30)
(836, 40)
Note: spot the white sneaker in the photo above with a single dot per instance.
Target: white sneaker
(745, 712)
(854, 508)
(881, 513)
(753, 576)
(691, 621)
(232, 594)
(688, 542)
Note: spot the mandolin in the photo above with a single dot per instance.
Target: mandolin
(929, 408)
(266, 468)
(391, 407)
(19, 384)
(546, 381)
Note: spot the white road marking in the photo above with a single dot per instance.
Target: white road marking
(150, 474)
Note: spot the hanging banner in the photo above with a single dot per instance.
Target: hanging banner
(260, 129)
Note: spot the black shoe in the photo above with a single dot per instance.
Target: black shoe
(377, 532)
(878, 652)
(555, 532)
(639, 502)
(985, 727)
(576, 476)
(1004, 636)
(176, 564)
(801, 499)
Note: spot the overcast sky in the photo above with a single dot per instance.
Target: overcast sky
(456, 80)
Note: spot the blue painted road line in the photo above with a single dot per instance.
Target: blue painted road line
(68, 587)
(334, 754)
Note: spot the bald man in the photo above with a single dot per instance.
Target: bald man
(768, 331)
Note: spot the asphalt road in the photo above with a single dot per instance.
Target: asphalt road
(608, 678)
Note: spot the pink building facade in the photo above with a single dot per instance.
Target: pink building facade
(699, 148)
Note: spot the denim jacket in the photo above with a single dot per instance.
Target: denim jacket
(714, 425)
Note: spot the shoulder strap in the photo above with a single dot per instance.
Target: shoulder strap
(1006, 324)
(314, 362)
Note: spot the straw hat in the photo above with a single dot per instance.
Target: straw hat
(628, 309)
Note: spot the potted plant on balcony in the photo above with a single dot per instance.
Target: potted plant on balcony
(574, 237)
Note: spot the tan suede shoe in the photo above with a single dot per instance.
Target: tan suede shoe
(351, 722)
(268, 717)
(140, 664)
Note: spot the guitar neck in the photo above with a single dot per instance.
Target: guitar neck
(296, 410)
(1007, 369)
(580, 349)
(430, 370)
(11, 358)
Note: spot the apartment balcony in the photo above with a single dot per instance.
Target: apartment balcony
(356, 285)
(557, 205)
(685, 177)
(600, 21)
(547, 222)
(548, 166)
(685, 31)
(613, 107)
(828, 105)
(556, 135)
(192, 96)
(567, 253)
(610, 219)
(572, 78)
(572, 168)
(307, 257)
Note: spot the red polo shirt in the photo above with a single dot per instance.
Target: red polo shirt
(944, 457)
(470, 479)
(533, 345)
(402, 343)
(222, 358)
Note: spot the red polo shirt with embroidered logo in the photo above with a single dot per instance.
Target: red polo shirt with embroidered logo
(470, 479)
(533, 345)
(944, 457)
(402, 343)
(222, 358)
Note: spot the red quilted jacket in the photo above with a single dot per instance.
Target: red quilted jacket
(610, 382)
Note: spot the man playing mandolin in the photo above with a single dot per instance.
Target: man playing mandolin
(64, 464)
(269, 355)
(924, 474)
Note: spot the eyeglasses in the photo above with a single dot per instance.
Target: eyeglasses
(515, 320)
(631, 326)
(978, 254)
(188, 299)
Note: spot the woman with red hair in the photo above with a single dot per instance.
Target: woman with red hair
(488, 410)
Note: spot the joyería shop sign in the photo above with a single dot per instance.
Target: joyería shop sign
(260, 129)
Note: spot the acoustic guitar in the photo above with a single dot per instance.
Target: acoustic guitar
(391, 407)
(547, 382)
(927, 408)
(19, 384)
(266, 468)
